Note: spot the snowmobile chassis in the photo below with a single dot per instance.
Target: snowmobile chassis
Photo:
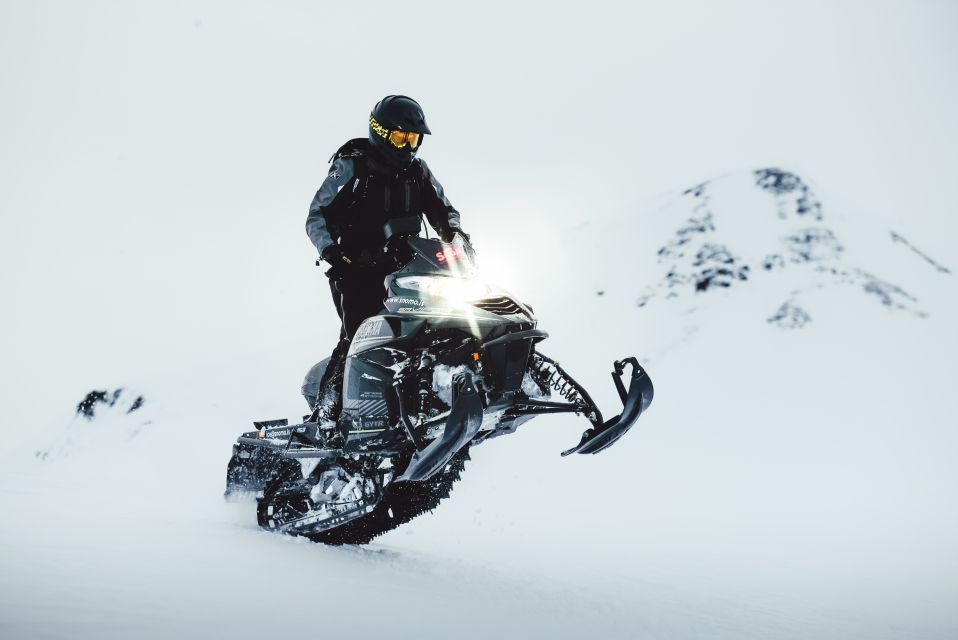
(403, 433)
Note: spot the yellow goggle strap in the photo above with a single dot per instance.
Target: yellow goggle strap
(399, 139)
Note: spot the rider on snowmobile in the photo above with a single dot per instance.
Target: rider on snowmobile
(370, 181)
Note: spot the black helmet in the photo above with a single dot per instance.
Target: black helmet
(396, 127)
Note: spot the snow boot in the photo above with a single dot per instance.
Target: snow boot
(329, 402)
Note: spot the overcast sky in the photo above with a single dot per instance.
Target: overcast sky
(158, 158)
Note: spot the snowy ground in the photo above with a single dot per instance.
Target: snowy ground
(795, 477)
(789, 482)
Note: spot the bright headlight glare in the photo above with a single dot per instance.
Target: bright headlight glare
(452, 289)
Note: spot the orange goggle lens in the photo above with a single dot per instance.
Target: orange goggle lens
(400, 138)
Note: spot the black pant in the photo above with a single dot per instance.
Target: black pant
(357, 295)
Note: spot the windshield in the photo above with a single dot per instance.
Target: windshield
(456, 258)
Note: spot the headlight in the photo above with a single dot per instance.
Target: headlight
(455, 290)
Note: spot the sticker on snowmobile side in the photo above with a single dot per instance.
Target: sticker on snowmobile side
(373, 422)
(369, 425)
(407, 301)
(374, 329)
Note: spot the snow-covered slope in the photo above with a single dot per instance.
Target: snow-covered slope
(795, 475)
(793, 479)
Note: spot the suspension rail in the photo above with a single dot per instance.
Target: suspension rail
(551, 374)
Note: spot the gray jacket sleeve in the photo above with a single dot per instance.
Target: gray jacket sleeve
(340, 173)
(439, 211)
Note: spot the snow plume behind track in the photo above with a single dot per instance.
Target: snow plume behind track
(795, 475)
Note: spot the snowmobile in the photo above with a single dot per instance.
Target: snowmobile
(451, 362)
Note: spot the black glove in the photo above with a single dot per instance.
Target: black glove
(333, 254)
(450, 235)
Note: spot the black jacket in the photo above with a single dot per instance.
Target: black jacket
(360, 194)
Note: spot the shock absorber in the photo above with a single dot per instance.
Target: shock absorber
(550, 375)
(425, 372)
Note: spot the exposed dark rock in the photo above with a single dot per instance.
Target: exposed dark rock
(790, 316)
(719, 278)
(686, 234)
(645, 296)
(713, 253)
(721, 268)
(890, 295)
(774, 261)
(900, 239)
(784, 183)
(700, 256)
(696, 192)
(813, 245)
(673, 279)
(87, 407)
(137, 403)
(777, 181)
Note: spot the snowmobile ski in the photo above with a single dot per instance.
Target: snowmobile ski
(636, 400)
(461, 426)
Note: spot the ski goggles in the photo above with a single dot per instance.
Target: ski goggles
(398, 139)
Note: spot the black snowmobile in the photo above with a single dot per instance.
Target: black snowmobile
(449, 363)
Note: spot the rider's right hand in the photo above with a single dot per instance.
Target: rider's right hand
(333, 254)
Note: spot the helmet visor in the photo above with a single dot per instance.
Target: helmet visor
(400, 139)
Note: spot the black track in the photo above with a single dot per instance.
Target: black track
(404, 500)
(407, 500)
